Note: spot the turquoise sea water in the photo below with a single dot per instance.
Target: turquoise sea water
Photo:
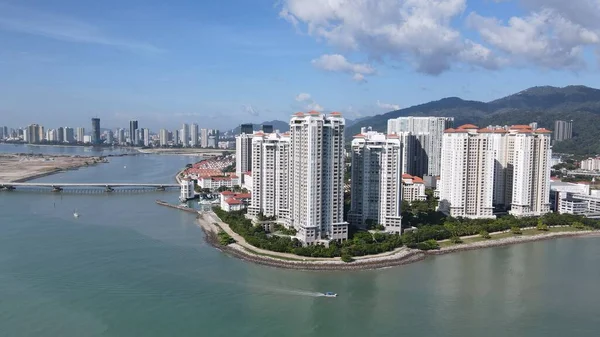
(128, 267)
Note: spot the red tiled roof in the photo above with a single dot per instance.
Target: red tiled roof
(488, 130)
(468, 126)
(242, 195)
(393, 136)
(418, 180)
(519, 126)
(314, 112)
(360, 135)
(406, 176)
(299, 114)
(542, 130)
(335, 113)
(232, 201)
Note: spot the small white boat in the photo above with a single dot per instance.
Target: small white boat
(76, 215)
(125, 166)
(330, 294)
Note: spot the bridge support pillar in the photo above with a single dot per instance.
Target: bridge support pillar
(56, 189)
(161, 188)
(108, 189)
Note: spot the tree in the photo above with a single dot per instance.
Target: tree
(578, 225)
(223, 189)
(456, 240)
(541, 226)
(428, 245)
(347, 258)
(516, 230)
(485, 235)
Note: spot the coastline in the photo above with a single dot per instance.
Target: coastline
(398, 257)
(12, 169)
(193, 152)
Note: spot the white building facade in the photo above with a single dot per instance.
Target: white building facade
(495, 167)
(270, 176)
(413, 188)
(429, 131)
(376, 180)
(317, 177)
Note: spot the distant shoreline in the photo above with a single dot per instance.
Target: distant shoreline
(14, 171)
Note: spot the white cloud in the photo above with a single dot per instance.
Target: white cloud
(60, 27)
(388, 106)
(545, 37)
(308, 103)
(425, 33)
(301, 97)
(338, 63)
(416, 31)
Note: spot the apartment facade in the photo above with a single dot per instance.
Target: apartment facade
(270, 176)
(495, 168)
(376, 180)
(317, 164)
(429, 132)
(413, 188)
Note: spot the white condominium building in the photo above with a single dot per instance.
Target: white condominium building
(467, 174)
(495, 166)
(590, 164)
(163, 137)
(376, 180)
(530, 165)
(270, 179)
(317, 176)
(413, 188)
(185, 136)
(430, 131)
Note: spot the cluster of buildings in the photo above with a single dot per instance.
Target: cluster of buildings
(190, 136)
(489, 170)
(590, 164)
(575, 198)
(297, 177)
(187, 136)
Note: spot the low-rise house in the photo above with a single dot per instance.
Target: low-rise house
(231, 201)
(413, 188)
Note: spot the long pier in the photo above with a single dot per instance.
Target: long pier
(90, 187)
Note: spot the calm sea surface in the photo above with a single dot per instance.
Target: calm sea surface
(128, 267)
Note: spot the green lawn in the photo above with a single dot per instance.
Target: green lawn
(275, 256)
(527, 232)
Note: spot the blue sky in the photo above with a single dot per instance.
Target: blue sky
(221, 63)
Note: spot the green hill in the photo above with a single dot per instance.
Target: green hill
(538, 104)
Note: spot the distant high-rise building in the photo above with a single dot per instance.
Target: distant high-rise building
(121, 137)
(146, 137)
(140, 137)
(563, 130)
(163, 137)
(60, 134)
(533, 125)
(204, 138)
(33, 133)
(133, 127)
(430, 130)
(266, 128)
(69, 135)
(185, 136)
(51, 135)
(243, 154)
(79, 133)
(110, 137)
(246, 129)
(194, 135)
(376, 181)
(41, 133)
(96, 131)
(176, 137)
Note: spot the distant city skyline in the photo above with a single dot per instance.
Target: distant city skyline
(65, 62)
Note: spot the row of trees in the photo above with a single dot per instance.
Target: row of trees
(359, 243)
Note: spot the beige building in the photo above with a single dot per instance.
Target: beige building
(413, 188)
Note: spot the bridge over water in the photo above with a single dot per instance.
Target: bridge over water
(88, 187)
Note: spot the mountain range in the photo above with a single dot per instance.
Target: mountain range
(543, 105)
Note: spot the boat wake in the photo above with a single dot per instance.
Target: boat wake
(297, 292)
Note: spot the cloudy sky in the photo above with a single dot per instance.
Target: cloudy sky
(220, 63)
